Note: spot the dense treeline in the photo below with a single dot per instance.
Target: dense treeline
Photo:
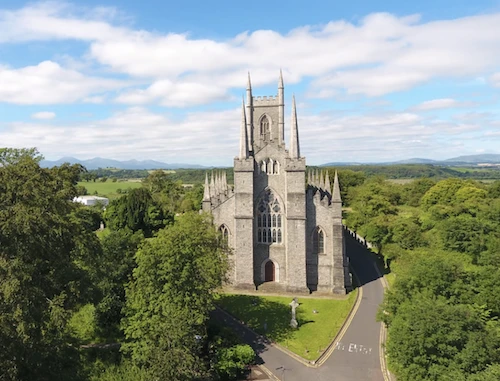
(413, 171)
(401, 171)
(132, 303)
(441, 241)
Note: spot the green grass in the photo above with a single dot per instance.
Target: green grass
(315, 332)
(390, 278)
(109, 188)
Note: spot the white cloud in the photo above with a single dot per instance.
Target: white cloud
(49, 83)
(44, 115)
(443, 103)
(495, 79)
(381, 54)
(212, 137)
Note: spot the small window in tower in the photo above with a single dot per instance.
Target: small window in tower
(274, 235)
(279, 235)
(264, 128)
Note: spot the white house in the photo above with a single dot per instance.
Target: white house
(92, 200)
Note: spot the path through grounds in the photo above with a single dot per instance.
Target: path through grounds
(357, 354)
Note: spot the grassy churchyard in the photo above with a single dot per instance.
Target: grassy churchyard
(109, 188)
(270, 316)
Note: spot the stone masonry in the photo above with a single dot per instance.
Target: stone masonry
(280, 230)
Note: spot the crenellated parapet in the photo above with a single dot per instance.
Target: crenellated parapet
(272, 100)
(295, 164)
(321, 191)
(216, 191)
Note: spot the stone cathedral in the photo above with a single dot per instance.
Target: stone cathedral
(281, 229)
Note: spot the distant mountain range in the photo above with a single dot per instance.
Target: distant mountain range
(459, 160)
(99, 162)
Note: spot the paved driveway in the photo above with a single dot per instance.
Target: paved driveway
(356, 356)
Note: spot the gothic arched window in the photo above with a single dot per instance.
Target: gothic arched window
(264, 128)
(269, 219)
(224, 231)
(318, 241)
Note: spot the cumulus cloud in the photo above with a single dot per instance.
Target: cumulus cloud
(495, 79)
(43, 115)
(443, 103)
(49, 83)
(212, 137)
(380, 54)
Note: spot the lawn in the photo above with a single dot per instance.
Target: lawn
(109, 189)
(270, 316)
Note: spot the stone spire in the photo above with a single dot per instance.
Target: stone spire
(328, 186)
(226, 187)
(212, 186)
(294, 136)
(309, 178)
(249, 114)
(316, 179)
(321, 181)
(243, 134)
(336, 189)
(217, 184)
(281, 110)
(206, 193)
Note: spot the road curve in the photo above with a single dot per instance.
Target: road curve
(357, 355)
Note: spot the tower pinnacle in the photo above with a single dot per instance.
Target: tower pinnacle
(336, 189)
(243, 133)
(294, 136)
(206, 193)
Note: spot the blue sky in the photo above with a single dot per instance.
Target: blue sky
(374, 80)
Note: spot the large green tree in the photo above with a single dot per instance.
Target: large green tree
(137, 210)
(44, 249)
(171, 295)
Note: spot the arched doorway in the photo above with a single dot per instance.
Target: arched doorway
(269, 272)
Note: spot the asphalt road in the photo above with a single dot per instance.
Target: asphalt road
(356, 356)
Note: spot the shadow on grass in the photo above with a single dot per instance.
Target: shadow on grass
(266, 317)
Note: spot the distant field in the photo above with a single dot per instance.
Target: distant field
(109, 188)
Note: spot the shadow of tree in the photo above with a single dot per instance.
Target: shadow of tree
(266, 317)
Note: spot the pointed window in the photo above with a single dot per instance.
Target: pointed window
(264, 128)
(224, 231)
(269, 222)
(318, 241)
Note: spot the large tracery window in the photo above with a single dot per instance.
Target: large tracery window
(318, 241)
(264, 128)
(269, 219)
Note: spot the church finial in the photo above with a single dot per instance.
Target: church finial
(249, 114)
(243, 133)
(336, 189)
(294, 136)
(328, 186)
(281, 111)
(212, 185)
(206, 193)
